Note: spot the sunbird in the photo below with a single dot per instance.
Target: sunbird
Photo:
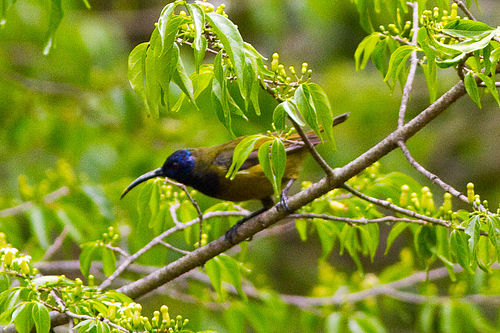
(205, 169)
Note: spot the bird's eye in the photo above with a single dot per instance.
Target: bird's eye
(175, 165)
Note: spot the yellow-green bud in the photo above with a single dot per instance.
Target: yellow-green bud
(25, 267)
(454, 9)
(414, 200)
(393, 28)
(436, 12)
(304, 68)
(25, 190)
(9, 255)
(447, 202)
(182, 13)
(164, 313)
(470, 192)
(292, 70)
(403, 199)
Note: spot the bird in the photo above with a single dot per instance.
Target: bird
(205, 169)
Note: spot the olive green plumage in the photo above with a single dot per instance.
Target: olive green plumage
(205, 169)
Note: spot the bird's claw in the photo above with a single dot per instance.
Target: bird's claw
(282, 205)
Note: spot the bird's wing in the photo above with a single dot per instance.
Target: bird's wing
(224, 157)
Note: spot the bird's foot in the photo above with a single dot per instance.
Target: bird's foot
(231, 233)
(282, 205)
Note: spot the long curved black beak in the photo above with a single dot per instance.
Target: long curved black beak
(143, 178)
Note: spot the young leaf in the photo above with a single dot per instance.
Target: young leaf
(137, 69)
(241, 152)
(323, 109)
(89, 254)
(301, 226)
(232, 41)
(181, 79)
(98, 197)
(305, 105)
(490, 84)
(56, 14)
(108, 261)
(458, 244)
(200, 42)
(213, 270)
(163, 23)
(327, 234)
(396, 230)
(472, 229)
(232, 270)
(279, 117)
(38, 225)
(22, 318)
(41, 317)
(278, 163)
(471, 88)
(293, 112)
(397, 63)
(265, 161)
(366, 48)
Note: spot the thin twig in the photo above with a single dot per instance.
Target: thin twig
(173, 213)
(49, 198)
(432, 177)
(58, 242)
(464, 8)
(119, 250)
(193, 202)
(391, 206)
(312, 150)
(413, 68)
(130, 259)
(167, 245)
(389, 219)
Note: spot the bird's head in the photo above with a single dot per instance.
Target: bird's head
(179, 166)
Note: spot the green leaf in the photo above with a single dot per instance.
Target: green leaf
(425, 241)
(69, 225)
(153, 201)
(397, 63)
(306, 108)
(396, 230)
(292, 111)
(301, 226)
(88, 254)
(279, 117)
(232, 270)
(41, 318)
(472, 229)
(22, 318)
(366, 48)
(278, 163)
(490, 84)
(55, 17)
(137, 69)
(471, 88)
(4, 7)
(98, 197)
(323, 109)
(467, 25)
(379, 57)
(219, 94)
(327, 233)
(213, 270)
(108, 261)
(165, 28)
(458, 243)
(38, 225)
(241, 152)
(232, 41)
(181, 79)
(200, 42)
(427, 317)
(265, 161)
(373, 233)
(335, 323)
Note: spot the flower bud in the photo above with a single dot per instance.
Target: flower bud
(447, 203)
(403, 199)
(470, 192)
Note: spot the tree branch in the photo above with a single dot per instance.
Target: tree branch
(258, 223)
(49, 198)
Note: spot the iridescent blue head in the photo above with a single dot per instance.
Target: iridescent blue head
(179, 166)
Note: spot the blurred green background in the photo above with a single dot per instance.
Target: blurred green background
(76, 104)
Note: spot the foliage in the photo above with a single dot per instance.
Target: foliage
(372, 212)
